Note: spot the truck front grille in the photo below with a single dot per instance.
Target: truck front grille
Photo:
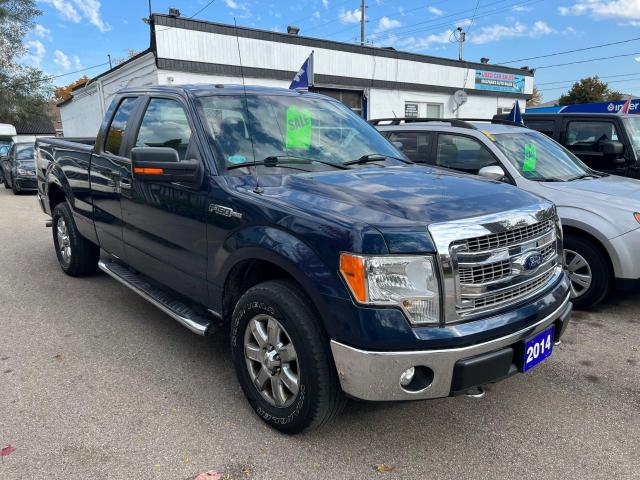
(486, 263)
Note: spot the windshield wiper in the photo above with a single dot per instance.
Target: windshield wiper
(284, 160)
(374, 157)
(584, 175)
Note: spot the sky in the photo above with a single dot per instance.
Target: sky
(79, 34)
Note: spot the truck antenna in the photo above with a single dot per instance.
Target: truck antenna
(258, 189)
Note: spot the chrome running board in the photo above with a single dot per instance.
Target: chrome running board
(162, 299)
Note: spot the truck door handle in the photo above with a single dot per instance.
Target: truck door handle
(125, 183)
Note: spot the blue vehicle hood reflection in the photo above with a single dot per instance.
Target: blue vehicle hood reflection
(389, 197)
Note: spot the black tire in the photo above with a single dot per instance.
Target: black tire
(319, 398)
(84, 255)
(6, 182)
(601, 275)
(15, 188)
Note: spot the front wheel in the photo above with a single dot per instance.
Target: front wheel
(282, 358)
(15, 188)
(588, 271)
(77, 255)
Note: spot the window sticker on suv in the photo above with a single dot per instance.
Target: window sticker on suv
(299, 128)
(530, 158)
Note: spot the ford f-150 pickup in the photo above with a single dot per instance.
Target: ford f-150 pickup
(339, 267)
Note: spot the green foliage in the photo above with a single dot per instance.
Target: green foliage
(24, 91)
(587, 90)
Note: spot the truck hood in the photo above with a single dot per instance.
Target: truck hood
(393, 196)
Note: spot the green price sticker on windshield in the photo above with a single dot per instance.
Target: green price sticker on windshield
(299, 128)
(530, 158)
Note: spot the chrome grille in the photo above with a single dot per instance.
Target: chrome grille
(497, 240)
(488, 262)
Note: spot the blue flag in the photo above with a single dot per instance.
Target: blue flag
(515, 115)
(304, 78)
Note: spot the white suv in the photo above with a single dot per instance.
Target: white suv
(600, 213)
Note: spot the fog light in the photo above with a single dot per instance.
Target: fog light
(407, 376)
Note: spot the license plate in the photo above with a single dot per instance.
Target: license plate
(538, 348)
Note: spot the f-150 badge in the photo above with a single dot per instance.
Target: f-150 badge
(223, 211)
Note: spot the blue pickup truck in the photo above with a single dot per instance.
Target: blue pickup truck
(338, 267)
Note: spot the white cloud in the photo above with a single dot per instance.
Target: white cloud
(423, 43)
(435, 11)
(464, 22)
(41, 32)
(386, 23)
(626, 9)
(77, 64)
(36, 52)
(325, 4)
(75, 10)
(61, 59)
(66, 9)
(241, 10)
(521, 8)
(316, 14)
(496, 33)
(91, 11)
(350, 16)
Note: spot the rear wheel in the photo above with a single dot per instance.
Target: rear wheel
(282, 358)
(588, 271)
(77, 255)
(7, 185)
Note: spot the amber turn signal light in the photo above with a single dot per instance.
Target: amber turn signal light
(352, 270)
(148, 171)
(637, 216)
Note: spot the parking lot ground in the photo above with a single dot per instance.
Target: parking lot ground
(97, 383)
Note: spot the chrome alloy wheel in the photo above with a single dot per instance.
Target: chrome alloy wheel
(64, 243)
(578, 271)
(271, 360)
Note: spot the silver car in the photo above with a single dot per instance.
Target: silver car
(600, 213)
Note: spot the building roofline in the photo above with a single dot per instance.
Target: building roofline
(161, 20)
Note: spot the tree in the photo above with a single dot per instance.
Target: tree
(536, 98)
(64, 93)
(24, 91)
(587, 90)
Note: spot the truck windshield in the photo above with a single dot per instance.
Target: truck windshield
(632, 124)
(539, 158)
(284, 127)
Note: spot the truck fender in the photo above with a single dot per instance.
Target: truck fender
(287, 252)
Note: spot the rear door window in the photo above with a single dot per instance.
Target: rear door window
(462, 153)
(165, 124)
(115, 134)
(415, 145)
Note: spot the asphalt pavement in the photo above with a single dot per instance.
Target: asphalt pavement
(96, 383)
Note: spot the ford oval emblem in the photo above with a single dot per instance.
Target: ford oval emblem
(531, 261)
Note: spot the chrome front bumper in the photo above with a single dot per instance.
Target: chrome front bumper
(375, 376)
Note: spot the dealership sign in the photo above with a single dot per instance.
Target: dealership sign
(499, 82)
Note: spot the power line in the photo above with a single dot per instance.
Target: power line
(588, 60)
(409, 33)
(571, 51)
(202, 9)
(571, 84)
(635, 74)
(48, 78)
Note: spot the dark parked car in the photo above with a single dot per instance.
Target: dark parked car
(19, 168)
(607, 142)
(339, 266)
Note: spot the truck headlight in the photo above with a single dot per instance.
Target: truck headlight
(409, 282)
(22, 171)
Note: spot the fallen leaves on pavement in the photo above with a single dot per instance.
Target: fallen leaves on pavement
(384, 468)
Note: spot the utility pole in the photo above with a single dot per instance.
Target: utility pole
(362, 21)
(460, 38)
(109, 56)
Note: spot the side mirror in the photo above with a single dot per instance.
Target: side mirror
(611, 148)
(162, 164)
(494, 172)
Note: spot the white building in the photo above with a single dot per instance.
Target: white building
(375, 82)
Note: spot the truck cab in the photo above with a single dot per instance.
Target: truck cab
(337, 265)
(607, 142)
